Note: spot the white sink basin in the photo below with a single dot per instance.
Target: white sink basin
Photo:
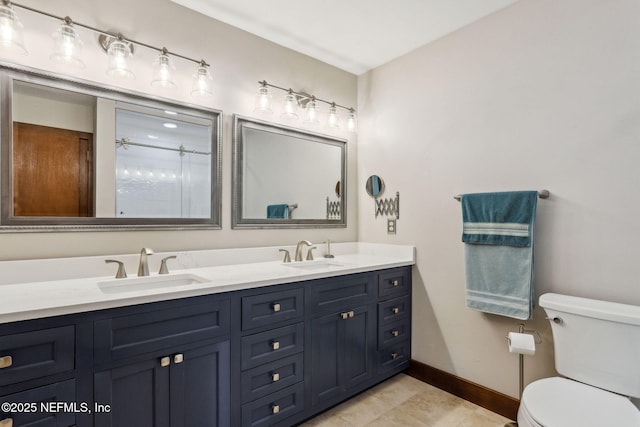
(320, 264)
(134, 284)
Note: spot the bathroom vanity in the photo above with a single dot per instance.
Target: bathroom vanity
(269, 351)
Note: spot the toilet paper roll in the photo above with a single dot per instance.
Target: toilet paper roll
(521, 343)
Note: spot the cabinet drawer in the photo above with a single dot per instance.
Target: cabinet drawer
(390, 333)
(266, 379)
(337, 293)
(36, 354)
(271, 308)
(33, 415)
(394, 283)
(127, 336)
(274, 408)
(394, 310)
(394, 356)
(272, 345)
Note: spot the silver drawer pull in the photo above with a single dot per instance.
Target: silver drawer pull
(395, 283)
(165, 361)
(276, 307)
(395, 333)
(394, 356)
(275, 377)
(178, 358)
(351, 313)
(5, 362)
(275, 409)
(344, 315)
(395, 310)
(275, 345)
(7, 422)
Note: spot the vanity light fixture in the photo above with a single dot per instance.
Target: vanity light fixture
(293, 99)
(67, 44)
(11, 37)
(118, 48)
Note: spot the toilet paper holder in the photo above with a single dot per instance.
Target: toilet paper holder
(536, 335)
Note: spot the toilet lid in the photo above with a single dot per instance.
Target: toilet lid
(559, 402)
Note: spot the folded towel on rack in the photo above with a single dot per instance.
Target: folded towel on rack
(280, 211)
(498, 232)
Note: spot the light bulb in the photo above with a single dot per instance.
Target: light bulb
(119, 52)
(163, 70)
(67, 45)
(11, 37)
(352, 121)
(311, 112)
(290, 108)
(263, 99)
(202, 81)
(333, 121)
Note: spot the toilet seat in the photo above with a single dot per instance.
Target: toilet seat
(560, 402)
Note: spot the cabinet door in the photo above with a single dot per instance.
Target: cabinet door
(200, 387)
(326, 353)
(137, 395)
(342, 352)
(359, 345)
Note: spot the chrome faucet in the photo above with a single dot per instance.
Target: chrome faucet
(299, 249)
(143, 267)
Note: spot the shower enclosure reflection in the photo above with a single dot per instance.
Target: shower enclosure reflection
(162, 165)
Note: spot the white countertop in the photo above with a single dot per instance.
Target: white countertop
(47, 287)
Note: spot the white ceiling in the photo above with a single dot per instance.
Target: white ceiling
(354, 35)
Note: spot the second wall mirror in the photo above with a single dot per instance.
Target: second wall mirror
(287, 178)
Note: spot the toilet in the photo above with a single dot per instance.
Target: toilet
(597, 352)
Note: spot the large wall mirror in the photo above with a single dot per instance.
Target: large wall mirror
(286, 177)
(79, 157)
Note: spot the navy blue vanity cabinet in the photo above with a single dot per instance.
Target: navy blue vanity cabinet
(271, 355)
(164, 364)
(342, 332)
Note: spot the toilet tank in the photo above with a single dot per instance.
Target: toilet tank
(596, 342)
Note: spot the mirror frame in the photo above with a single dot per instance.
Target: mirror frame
(10, 223)
(238, 222)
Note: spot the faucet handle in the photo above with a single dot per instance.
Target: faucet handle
(163, 264)
(310, 254)
(287, 257)
(121, 274)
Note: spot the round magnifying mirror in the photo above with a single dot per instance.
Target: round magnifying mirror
(374, 186)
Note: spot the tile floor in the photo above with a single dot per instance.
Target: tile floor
(403, 401)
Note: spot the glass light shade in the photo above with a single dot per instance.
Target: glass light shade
(119, 53)
(11, 37)
(311, 113)
(202, 81)
(352, 122)
(163, 71)
(263, 100)
(68, 46)
(333, 121)
(290, 107)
